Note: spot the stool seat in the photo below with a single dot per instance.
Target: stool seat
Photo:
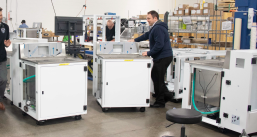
(184, 116)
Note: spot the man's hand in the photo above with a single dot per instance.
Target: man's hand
(144, 53)
(113, 40)
(131, 40)
(7, 43)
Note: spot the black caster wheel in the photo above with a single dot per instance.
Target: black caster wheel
(176, 100)
(40, 123)
(24, 114)
(78, 117)
(153, 95)
(142, 109)
(105, 109)
(98, 103)
(4, 97)
(223, 130)
(11, 103)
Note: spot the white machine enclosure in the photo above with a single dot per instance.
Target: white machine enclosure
(110, 59)
(11, 62)
(175, 71)
(123, 82)
(238, 103)
(48, 87)
(123, 76)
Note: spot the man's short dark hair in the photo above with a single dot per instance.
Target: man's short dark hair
(154, 14)
(1, 9)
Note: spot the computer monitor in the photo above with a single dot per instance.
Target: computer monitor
(62, 23)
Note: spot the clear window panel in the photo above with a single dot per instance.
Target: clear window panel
(29, 86)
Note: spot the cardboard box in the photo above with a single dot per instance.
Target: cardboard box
(175, 13)
(201, 41)
(161, 16)
(176, 9)
(188, 10)
(136, 35)
(193, 12)
(208, 6)
(197, 6)
(181, 12)
(142, 16)
(182, 6)
(199, 12)
(207, 11)
(92, 28)
(88, 46)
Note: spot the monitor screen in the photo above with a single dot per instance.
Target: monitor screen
(61, 25)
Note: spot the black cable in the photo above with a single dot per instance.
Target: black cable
(210, 83)
(53, 7)
(200, 83)
(170, 125)
(205, 107)
(205, 91)
(80, 11)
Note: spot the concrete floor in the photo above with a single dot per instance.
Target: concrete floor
(118, 122)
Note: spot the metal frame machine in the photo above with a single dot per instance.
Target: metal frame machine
(224, 91)
(38, 82)
(175, 71)
(121, 76)
(41, 86)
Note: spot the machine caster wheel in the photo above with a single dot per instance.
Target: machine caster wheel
(24, 114)
(105, 109)
(223, 130)
(40, 123)
(153, 95)
(142, 109)
(4, 97)
(11, 103)
(176, 100)
(78, 117)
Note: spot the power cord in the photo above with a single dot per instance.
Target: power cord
(205, 91)
(80, 11)
(170, 125)
(53, 7)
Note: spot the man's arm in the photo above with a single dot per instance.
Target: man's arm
(143, 37)
(159, 42)
(7, 41)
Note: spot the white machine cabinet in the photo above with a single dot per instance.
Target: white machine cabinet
(175, 71)
(232, 94)
(124, 81)
(12, 58)
(48, 84)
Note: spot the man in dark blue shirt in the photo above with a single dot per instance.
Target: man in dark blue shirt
(161, 52)
(4, 42)
(110, 31)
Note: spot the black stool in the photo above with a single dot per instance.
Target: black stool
(183, 116)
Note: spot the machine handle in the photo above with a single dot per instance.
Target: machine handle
(43, 92)
(106, 83)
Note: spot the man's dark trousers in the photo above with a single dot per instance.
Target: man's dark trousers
(158, 72)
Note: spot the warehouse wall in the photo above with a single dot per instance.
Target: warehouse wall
(42, 10)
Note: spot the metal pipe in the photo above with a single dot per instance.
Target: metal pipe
(226, 40)
(220, 31)
(6, 14)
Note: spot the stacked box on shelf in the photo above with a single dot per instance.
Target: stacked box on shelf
(188, 10)
(216, 25)
(226, 5)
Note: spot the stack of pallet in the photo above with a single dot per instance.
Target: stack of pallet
(226, 5)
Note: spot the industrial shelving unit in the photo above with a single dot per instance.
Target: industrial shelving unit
(208, 30)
